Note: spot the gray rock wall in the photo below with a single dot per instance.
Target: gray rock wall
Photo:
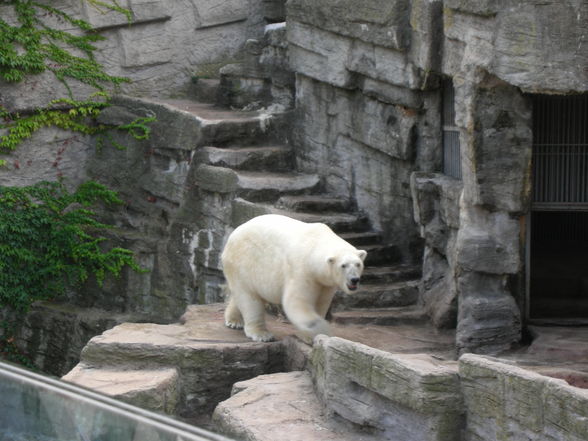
(165, 44)
(507, 402)
(366, 118)
(538, 47)
(395, 396)
(368, 112)
(436, 210)
(161, 50)
(495, 53)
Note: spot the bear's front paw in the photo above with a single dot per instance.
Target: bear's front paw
(234, 324)
(319, 326)
(262, 336)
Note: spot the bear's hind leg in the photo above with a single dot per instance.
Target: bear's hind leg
(233, 317)
(253, 310)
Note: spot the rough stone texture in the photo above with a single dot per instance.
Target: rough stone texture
(271, 407)
(399, 396)
(438, 290)
(507, 402)
(436, 211)
(493, 52)
(54, 334)
(534, 47)
(367, 116)
(361, 146)
(274, 10)
(488, 242)
(149, 389)
(48, 155)
(497, 149)
(363, 120)
(161, 47)
(175, 229)
(380, 22)
(436, 207)
(166, 216)
(495, 137)
(209, 357)
(488, 319)
(426, 21)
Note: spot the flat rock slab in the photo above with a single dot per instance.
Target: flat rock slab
(280, 406)
(210, 358)
(153, 389)
(206, 323)
(206, 111)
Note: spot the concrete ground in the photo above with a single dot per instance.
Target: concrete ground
(556, 351)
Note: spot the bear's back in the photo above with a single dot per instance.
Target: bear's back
(277, 234)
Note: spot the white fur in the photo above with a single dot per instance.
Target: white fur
(280, 260)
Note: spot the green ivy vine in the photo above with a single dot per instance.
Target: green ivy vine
(49, 241)
(30, 47)
(50, 238)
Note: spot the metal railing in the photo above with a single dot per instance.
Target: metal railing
(560, 152)
(451, 147)
(36, 407)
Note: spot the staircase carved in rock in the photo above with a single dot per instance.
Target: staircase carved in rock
(239, 170)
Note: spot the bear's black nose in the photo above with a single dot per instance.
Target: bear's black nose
(354, 280)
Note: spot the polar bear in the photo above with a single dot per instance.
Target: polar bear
(277, 259)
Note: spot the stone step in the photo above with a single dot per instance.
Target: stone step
(263, 186)
(362, 238)
(152, 389)
(381, 254)
(206, 89)
(216, 126)
(390, 273)
(236, 132)
(220, 126)
(340, 222)
(397, 294)
(254, 186)
(281, 406)
(404, 315)
(313, 203)
(208, 356)
(274, 158)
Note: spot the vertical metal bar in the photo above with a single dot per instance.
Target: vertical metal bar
(584, 147)
(568, 176)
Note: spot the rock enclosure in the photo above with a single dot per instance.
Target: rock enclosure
(352, 97)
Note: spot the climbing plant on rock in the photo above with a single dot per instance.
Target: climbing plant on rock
(50, 238)
(50, 241)
(30, 46)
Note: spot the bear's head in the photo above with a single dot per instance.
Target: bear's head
(346, 268)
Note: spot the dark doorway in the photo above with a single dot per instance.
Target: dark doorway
(559, 218)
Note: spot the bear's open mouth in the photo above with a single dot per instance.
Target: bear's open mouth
(352, 287)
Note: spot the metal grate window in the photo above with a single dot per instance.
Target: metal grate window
(451, 148)
(560, 152)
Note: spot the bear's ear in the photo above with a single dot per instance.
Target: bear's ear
(361, 254)
(331, 260)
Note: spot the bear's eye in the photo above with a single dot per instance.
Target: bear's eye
(344, 265)
(357, 265)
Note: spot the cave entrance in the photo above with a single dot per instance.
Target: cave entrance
(558, 249)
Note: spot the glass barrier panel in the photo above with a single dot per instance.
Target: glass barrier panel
(38, 408)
